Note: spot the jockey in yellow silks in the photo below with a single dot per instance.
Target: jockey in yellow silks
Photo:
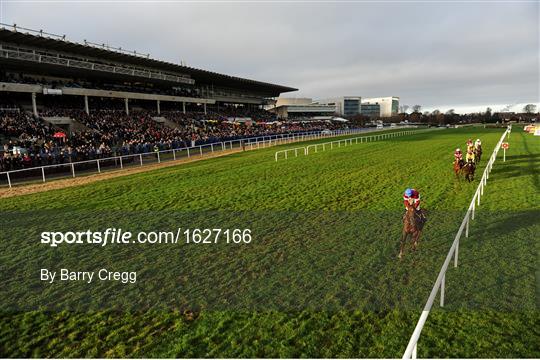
(470, 157)
(470, 145)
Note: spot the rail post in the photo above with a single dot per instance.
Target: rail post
(200, 150)
(98, 167)
(73, 169)
(43, 173)
(442, 290)
(188, 152)
(457, 250)
(121, 163)
(158, 157)
(140, 158)
(8, 180)
(174, 154)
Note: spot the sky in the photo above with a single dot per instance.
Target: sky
(440, 55)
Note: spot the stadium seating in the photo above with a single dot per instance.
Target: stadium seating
(30, 141)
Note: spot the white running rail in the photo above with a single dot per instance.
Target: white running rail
(411, 351)
(343, 142)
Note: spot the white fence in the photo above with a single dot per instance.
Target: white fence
(342, 142)
(410, 352)
(72, 169)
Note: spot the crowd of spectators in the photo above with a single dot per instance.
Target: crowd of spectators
(29, 141)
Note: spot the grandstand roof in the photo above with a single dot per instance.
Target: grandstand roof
(200, 76)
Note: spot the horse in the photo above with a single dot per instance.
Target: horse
(477, 154)
(468, 170)
(458, 166)
(413, 224)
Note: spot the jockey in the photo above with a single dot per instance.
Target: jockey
(470, 157)
(414, 195)
(470, 145)
(458, 155)
(477, 144)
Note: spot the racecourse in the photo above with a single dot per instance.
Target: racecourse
(321, 278)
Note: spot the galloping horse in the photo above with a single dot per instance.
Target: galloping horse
(477, 154)
(458, 166)
(468, 170)
(412, 227)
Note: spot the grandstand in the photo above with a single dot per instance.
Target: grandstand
(35, 64)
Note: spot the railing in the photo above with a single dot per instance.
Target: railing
(42, 33)
(411, 351)
(72, 169)
(343, 142)
(27, 55)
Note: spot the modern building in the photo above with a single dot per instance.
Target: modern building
(301, 109)
(345, 105)
(371, 110)
(389, 105)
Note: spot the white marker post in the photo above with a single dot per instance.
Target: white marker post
(504, 146)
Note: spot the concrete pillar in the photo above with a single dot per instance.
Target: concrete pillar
(86, 107)
(158, 108)
(127, 105)
(204, 108)
(34, 105)
(184, 106)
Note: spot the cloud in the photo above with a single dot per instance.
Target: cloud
(429, 54)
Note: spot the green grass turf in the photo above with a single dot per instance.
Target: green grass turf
(359, 300)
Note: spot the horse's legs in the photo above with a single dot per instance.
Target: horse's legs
(416, 237)
(402, 244)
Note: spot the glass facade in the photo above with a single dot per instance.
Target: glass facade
(395, 106)
(371, 110)
(351, 107)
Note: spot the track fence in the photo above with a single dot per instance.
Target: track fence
(96, 166)
(304, 150)
(439, 286)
